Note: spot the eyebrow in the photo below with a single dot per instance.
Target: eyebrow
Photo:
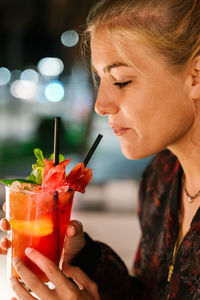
(115, 65)
(108, 68)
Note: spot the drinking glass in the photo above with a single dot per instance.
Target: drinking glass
(38, 220)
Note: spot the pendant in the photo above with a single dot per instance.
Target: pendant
(190, 200)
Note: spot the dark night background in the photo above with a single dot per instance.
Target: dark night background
(29, 31)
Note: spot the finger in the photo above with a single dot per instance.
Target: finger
(74, 228)
(31, 280)
(81, 279)
(19, 290)
(51, 271)
(5, 243)
(74, 273)
(4, 224)
(75, 240)
(3, 251)
(4, 207)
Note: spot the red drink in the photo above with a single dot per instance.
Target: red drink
(39, 209)
(38, 220)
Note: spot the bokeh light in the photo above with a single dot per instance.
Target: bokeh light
(69, 38)
(50, 66)
(23, 89)
(5, 76)
(54, 91)
(29, 75)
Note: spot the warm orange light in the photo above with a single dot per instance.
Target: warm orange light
(38, 228)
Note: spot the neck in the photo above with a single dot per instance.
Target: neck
(187, 150)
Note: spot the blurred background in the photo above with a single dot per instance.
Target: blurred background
(43, 75)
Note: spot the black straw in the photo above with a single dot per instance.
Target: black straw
(92, 149)
(90, 153)
(57, 127)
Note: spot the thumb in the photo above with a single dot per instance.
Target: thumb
(74, 242)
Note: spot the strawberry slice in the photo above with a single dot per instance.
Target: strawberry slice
(54, 177)
(79, 177)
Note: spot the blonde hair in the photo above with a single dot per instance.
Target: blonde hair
(171, 27)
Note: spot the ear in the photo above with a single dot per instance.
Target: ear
(195, 79)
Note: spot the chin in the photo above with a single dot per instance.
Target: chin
(133, 154)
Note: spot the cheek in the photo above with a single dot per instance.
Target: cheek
(157, 123)
(154, 106)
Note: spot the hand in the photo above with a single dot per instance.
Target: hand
(75, 241)
(4, 226)
(85, 288)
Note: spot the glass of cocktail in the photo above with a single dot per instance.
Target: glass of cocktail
(39, 220)
(39, 207)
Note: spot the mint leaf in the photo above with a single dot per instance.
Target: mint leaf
(36, 174)
(61, 157)
(40, 158)
(10, 181)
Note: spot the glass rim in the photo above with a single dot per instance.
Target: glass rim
(34, 192)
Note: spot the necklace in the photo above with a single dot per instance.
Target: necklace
(190, 198)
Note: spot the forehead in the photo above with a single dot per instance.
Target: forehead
(106, 51)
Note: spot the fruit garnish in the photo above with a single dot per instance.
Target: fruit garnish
(37, 228)
(79, 177)
(37, 173)
(52, 178)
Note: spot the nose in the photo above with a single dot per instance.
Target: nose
(106, 102)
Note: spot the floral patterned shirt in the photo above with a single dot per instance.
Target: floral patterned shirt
(159, 199)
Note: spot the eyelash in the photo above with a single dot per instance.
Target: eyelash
(121, 85)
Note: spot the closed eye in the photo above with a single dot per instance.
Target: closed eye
(121, 85)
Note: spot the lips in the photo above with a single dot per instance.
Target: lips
(120, 131)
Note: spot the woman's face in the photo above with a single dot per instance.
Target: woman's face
(147, 106)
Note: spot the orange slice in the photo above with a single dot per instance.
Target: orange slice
(38, 228)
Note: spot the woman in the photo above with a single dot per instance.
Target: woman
(146, 54)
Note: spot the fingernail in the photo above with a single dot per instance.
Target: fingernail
(78, 225)
(74, 222)
(28, 250)
(5, 243)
